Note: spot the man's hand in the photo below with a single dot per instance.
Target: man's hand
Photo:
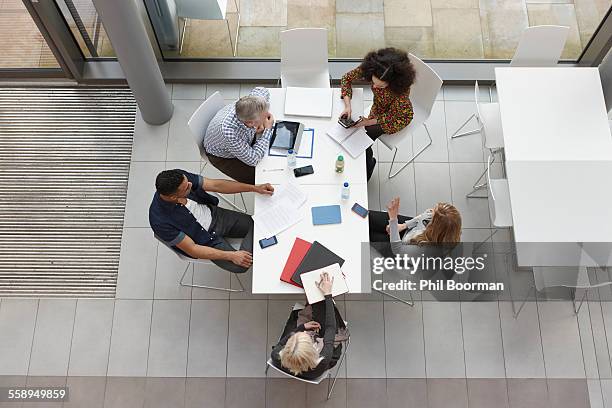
(265, 189)
(242, 258)
(312, 325)
(260, 129)
(268, 121)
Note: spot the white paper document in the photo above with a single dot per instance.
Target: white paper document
(281, 210)
(310, 279)
(354, 140)
(309, 102)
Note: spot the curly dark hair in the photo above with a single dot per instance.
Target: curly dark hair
(168, 181)
(392, 66)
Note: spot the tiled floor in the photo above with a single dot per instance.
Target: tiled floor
(158, 342)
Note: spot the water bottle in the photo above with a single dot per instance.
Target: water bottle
(346, 191)
(340, 164)
(291, 158)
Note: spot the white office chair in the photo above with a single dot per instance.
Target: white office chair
(327, 374)
(304, 56)
(423, 94)
(198, 123)
(499, 205)
(192, 262)
(206, 10)
(562, 276)
(540, 46)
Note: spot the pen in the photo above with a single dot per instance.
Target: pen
(273, 169)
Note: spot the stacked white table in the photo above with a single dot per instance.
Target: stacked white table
(558, 151)
(322, 188)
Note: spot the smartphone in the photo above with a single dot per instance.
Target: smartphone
(303, 171)
(359, 210)
(267, 242)
(347, 122)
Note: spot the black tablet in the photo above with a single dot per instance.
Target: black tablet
(287, 135)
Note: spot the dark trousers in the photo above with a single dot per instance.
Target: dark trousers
(374, 131)
(234, 168)
(231, 224)
(378, 221)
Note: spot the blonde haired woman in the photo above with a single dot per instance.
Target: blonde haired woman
(308, 350)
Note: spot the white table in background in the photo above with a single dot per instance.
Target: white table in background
(558, 151)
(322, 188)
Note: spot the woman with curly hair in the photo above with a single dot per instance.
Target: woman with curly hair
(391, 74)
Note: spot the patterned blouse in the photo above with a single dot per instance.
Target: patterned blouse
(392, 112)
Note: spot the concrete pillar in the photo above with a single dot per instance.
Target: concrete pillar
(129, 38)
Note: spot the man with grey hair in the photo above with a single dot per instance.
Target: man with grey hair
(238, 136)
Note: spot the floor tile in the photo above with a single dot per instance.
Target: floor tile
(406, 392)
(363, 393)
(589, 14)
(438, 151)
(285, 392)
(141, 187)
(189, 91)
(465, 93)
(17, 322)
(164, 392)
(208, 333)
(51, 345)
(169, 271)
(443, 340)
(405, 356)
(595, 395)
(432, 185)
(316, 395)
(124, 392)
(169, 338)
(558, 14)
(419, 40)
(502, 24)
(181, 143)
(205, 392)
(314, 13)
(600, 327)
(484, 393)
(209, 274)
(570, 393)
(467, 148)
(150, 141)
(85, 392)
(247, 352)
(359, 6)
(457, 41)
(412, 13)
(370, 35)
(474, 211)
(130, 338)
(366, 357)
(259, 42)
(91, 337)
(227, 91)
(16, 381)
(560, 340)
(245, 393)
(137, 264)
(527, 393)
(522, 342)
(484, 354)
(218, 41)
(266, 13)
(401, 186)
(443, 393)
(44, 381)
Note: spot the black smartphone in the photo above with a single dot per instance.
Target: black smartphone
(359, 210)
(347, 122)
(303, 171)
(267, 242)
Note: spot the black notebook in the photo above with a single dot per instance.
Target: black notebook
(317, 257)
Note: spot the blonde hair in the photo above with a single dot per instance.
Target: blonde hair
(299, 354)
(444, 227)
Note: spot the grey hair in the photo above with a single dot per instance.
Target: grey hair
(250, 107)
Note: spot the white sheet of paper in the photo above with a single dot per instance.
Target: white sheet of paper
(315, 102)
(290, 192)
(357, 143)
(310, 279)
(277, 218)
(339, 133)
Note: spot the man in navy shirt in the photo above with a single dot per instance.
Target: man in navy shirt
(187, 218)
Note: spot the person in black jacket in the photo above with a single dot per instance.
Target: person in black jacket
(307, 350)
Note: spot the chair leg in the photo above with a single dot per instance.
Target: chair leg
(404, 301)
(193, 285)
(330, 384)
(469, 132)
(417, 154)
(244, 208)
(476, 187)
(577, 309)
(182, 41)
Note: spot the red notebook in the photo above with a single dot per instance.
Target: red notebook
(298, 252)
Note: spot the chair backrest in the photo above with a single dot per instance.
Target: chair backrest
(202, 9)
(425, 89)
(540, 46)
(198, 123)
(315, 381)
(304, 49)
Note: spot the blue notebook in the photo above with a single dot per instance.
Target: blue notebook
(327, 214)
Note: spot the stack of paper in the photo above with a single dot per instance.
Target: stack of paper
(354, 140)
(281, 210)
(310, 279)
(309, 102)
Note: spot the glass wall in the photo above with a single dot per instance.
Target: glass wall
(432, 29)
(21, 44)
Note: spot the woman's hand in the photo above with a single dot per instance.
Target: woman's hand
(366, 122)
(312, 325)
(393, 208)
(400, 228)
(346, 113)
(325, 284)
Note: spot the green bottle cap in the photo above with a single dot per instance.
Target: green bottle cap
(340, 158)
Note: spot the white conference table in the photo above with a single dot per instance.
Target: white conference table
(558, 151)
(321, 188)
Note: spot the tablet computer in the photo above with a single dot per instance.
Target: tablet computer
(287, 135)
